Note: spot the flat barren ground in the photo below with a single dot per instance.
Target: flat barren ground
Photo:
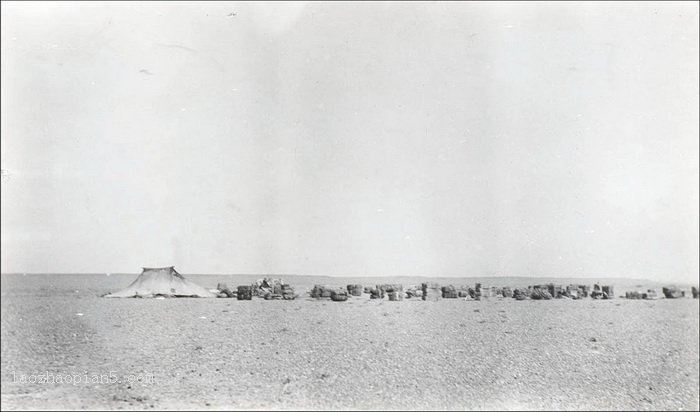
(359, 354)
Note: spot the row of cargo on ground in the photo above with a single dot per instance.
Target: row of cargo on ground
(167, 282)
(276, 289)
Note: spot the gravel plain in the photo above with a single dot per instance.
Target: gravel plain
(360, 354)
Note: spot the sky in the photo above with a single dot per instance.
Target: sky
(351, 139)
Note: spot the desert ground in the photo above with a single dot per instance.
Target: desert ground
(360, 354)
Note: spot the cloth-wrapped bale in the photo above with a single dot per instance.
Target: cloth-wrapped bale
(389, 287)
(449, 292)
(339, 296)
(411, 292)
(540, 294)
(288, 292)
(320, 291)
(224, 289)
(519, 294)
(574, 292)
(599, 294)
(672, 292)
(262, 287)
(381, 291)
(316, 291)
(355, 290)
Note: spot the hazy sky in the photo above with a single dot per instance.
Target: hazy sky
(475, 139)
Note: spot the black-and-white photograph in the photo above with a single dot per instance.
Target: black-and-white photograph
(350, 205)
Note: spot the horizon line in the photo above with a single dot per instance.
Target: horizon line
(340, 276)
(674, 282)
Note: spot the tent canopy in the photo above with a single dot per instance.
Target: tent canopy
(166, 282)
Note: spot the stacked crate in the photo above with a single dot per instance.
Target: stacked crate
(245, 293)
